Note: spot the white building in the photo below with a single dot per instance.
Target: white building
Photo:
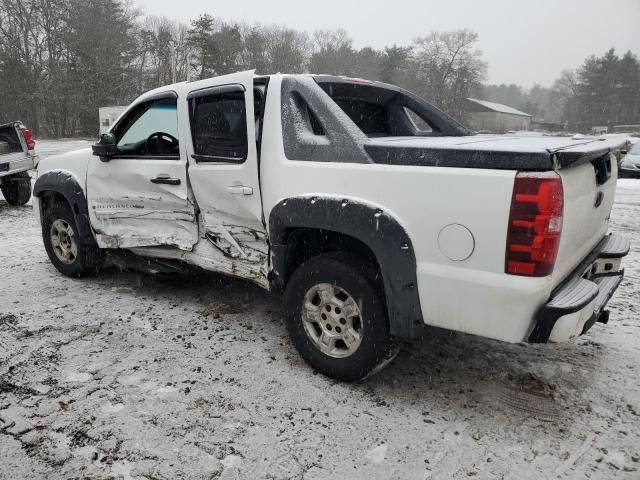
(484, 116)
(108, 115)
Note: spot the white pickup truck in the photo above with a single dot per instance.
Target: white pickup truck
(373, 211)
(17, 157)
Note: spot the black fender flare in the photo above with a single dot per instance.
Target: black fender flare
(65, 184)
(374, 227)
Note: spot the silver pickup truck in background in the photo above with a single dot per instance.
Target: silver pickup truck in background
(17, 157)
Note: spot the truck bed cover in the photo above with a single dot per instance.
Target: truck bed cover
(503, 152)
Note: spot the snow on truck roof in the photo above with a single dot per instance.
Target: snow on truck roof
(498, 107)
(233, 77)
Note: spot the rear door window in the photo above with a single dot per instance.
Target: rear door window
(219, 127)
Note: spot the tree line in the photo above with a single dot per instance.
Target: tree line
(604, 91)
(60, 60)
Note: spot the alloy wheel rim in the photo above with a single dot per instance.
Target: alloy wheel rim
(332, 320)
(63, 241)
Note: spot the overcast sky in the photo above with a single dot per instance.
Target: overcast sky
(523, 41)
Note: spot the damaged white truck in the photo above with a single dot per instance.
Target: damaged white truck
(17, 157)
(373, 211)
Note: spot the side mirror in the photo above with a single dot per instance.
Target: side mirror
(106, 147)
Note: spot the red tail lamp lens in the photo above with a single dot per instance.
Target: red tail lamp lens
(535, 224)
(28, 138)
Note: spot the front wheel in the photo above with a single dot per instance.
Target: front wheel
(61, 241)
(336, 317)
(16, 189)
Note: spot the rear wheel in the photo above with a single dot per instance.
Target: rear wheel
(16, 189)
(61, 241)
(336, 317)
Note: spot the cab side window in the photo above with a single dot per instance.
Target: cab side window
(150, 130)
(219, 125)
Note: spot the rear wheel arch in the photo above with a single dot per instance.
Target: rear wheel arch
(369, 232)
(303, 243)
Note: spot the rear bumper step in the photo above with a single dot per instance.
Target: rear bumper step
(581, 300)
(607, 286)
(616, 246)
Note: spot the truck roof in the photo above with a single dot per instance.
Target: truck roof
(319, 77)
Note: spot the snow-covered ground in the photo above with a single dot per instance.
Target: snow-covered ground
(130, 376)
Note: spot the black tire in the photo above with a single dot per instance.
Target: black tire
(89, 258)
(16, 189)
(352, 275)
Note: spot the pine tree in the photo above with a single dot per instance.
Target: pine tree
(200, 38)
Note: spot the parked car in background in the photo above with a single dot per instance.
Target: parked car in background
(374, 212)
(630, 166)
(17, 157)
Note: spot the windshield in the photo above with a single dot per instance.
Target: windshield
(635, 150)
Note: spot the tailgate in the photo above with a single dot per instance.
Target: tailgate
(589, 190)
(11, 163)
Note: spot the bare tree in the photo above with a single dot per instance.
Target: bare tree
(288, 50)
(333, 53)
(62, 59)
(446, 68)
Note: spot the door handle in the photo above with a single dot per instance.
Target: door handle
(165, 180)
(240, 190)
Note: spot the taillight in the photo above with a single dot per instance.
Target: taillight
(535, 224)
(28, 138)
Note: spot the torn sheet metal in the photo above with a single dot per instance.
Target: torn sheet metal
(237, 242)
(208, 257)
(241, 245)
(224, 247)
